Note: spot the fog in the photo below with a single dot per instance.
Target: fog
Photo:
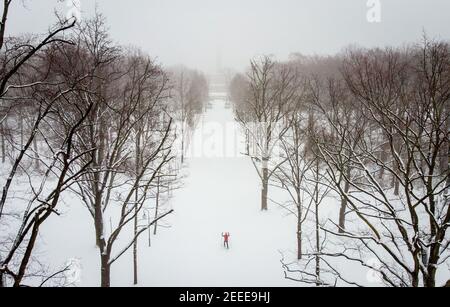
(211, 34)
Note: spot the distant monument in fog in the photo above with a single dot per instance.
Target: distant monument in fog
(217, 80)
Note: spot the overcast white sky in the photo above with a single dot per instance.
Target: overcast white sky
(198, 32)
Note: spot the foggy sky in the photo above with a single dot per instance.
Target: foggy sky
(205, 33)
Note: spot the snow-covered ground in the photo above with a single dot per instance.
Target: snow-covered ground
(221, 193)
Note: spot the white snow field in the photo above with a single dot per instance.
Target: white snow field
(221, 193)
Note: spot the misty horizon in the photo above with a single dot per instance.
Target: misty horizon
(253, 144)
(211, 35)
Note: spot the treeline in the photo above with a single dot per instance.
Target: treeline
(367, 129)
(190, 93)
(81, 115)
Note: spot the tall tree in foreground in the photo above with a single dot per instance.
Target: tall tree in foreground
(405, 228)
(301, 176)
(25, 80)
(379, 132)
(132, 135)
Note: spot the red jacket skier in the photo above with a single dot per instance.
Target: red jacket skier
(226, 238)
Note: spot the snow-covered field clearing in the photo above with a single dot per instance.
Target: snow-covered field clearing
(219, 194)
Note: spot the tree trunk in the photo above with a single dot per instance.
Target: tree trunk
(265, 185)
(136, 207)
(396, 186)
(299, 240)
(247, 141)
(445, 150)
(344, 203)
(430, 279)
(384, 155)
(318, 250)
(448, 176)
(98, 210)
(28, 251)
(342, 213)
(36, 154)
(395, 181)
(98, 220)
(447, 192)
(21, 131)
(299, 225)
(157, 204)
(182, 144)
(2, 127)
(318, 283)
(135, 252)
(106, 271)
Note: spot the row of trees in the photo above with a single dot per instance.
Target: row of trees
(370, 129)
(83, 116)
(190, 93)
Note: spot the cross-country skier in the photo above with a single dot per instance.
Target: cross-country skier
(226, 238)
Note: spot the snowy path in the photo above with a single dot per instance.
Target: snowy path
(220, 194)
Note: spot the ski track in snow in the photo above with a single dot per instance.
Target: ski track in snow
(219, 195)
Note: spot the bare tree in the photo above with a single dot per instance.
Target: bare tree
(340, 110)
(24, 80)
(60, 173)
(129, 121)
(189, 92)
(271, 88)
(409, 248)
(378, 140)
